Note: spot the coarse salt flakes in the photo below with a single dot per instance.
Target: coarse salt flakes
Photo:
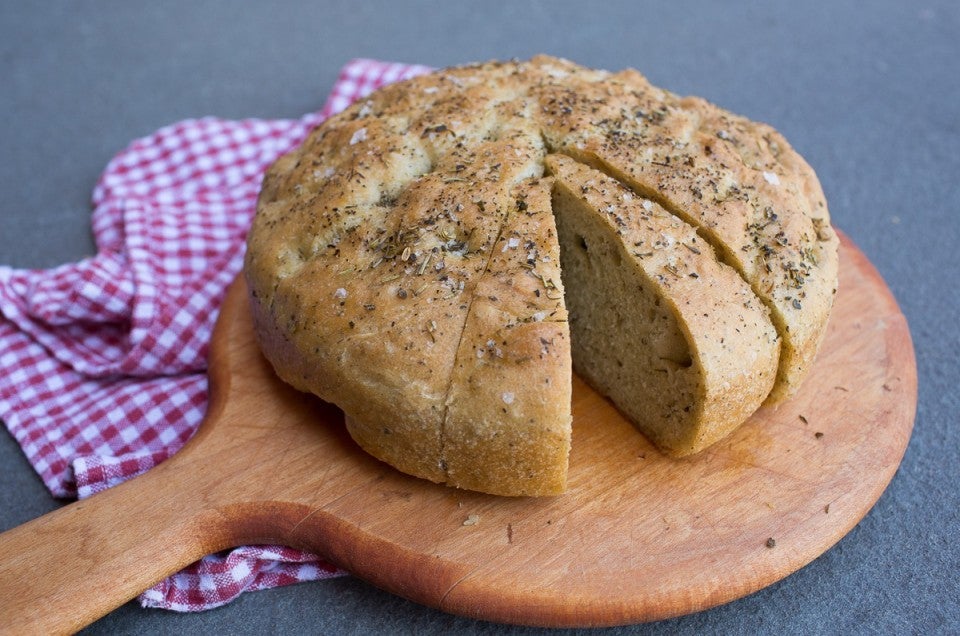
(340, 293)
(771, 178)
(666, 241)
(358, 136)
(647, 205)
(508, 398)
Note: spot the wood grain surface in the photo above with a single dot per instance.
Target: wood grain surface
(637, 537)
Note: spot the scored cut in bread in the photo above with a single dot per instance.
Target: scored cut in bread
(415, 259)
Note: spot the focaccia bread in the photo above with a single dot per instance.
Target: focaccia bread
(415, 260)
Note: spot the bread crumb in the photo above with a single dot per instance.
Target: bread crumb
(472, 520)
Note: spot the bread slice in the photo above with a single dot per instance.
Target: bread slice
(508, 423)
(739, 182)
(404, 264)
(674, 337)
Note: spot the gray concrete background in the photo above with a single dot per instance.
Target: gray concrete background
(868, 92)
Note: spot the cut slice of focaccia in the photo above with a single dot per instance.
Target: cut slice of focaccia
(673, 336)
(748, 193)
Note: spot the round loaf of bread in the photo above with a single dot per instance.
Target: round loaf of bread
(434, 260)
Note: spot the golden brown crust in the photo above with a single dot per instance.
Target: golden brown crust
(379, 243)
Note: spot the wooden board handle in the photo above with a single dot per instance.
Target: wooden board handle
(64, 570)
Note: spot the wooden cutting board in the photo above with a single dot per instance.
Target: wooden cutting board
(638, 537)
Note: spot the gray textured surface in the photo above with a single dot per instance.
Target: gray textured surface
(868, 93)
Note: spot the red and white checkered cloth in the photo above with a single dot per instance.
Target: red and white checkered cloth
(102, 362)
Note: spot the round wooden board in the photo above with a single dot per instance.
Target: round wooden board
(640, 536)
(637, 537)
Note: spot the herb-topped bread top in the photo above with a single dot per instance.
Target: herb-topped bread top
(404, 264)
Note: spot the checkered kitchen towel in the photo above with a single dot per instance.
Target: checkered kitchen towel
(102, 362)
